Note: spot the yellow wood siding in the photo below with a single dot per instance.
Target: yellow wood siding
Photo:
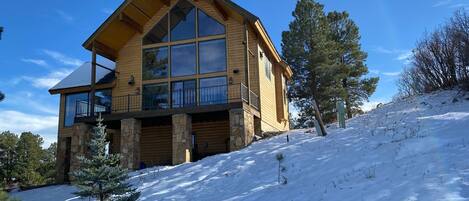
(156, 145)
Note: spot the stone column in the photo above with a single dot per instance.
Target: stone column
(60, 161)
(182, 138)
(130, 143)
(241, 129)
(79, 147)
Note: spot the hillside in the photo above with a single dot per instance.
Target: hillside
(413, 149)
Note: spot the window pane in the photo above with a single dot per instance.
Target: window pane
(212, 56)
(157, 34)
(213, 91)
(268, 67)
(183, 60)
(183, 93)
(183, 21)
(103, 101)
(71, 107)
(155, 96)
(209, 26)
(155, 63)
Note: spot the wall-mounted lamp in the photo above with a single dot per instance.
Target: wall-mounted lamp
(236, 71)
(131, 80)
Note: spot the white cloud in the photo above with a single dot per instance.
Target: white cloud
(63, 59)
(378, 72)
(401, 54)
(18, 122)
(67, 17)
(49, 80)
(442, 3)
(460, 5)
(38, 62)
(391, 73)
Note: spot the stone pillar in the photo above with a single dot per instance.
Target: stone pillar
(182, 138)
(241, 129)
(79, 146)
(60, 160)
(257, 126)
(130, 143)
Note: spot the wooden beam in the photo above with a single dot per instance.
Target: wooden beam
(105, 50)
(167, 2)
(93, 81)
(221, 10)
(131, 22)
(140, 10)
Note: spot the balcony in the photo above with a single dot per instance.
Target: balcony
(174, 100)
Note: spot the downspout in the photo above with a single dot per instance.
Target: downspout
(246, 61)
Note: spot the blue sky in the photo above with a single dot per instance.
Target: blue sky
(42, 43)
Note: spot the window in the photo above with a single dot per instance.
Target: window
(209, 26)
(183, 60)
(183, 93)
(155, 96)
(155, 63)
(212, 56)
(71, 107)
(103, 101)
(268, 68)
(285, 90)
(213, 91)
(158, 34)
(182, 21)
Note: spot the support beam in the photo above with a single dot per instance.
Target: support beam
(167, 2)
(221, 10)
(141, 11)
(130, 22)
(93, 81)
(105, 50)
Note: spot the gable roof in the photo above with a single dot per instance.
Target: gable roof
(81, 78)
(132, 15)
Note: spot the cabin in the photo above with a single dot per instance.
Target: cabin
(188, 79)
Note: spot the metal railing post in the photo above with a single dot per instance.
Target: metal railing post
(128, 103)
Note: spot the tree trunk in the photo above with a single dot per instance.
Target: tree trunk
(347, 99)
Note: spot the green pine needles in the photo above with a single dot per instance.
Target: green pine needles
(100, 176)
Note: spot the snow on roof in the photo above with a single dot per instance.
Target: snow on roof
(82, 76)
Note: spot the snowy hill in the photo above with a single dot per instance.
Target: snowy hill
(414, 149)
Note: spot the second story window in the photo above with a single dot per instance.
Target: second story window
(185, 42)
(72, 102)
(268, 68)
(183, 60)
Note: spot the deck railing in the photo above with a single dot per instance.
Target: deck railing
(186, 98)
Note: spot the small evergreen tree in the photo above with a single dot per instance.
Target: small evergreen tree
(101, 176)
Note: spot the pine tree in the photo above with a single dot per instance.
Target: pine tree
(2, 96)
(354, 89)
(29, 154)
(101, 176)
(8, 157)
(327, 62)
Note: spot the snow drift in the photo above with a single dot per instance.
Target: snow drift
(412, 149)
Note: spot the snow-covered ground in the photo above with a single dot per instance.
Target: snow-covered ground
(413, 149)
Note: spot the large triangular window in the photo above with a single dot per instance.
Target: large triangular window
(209, 26)
(181, 24)
(182, 21)
(158, 34)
